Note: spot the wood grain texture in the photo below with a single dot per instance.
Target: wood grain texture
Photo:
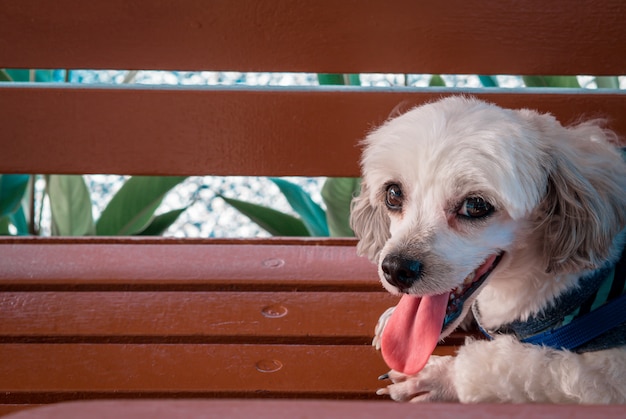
(44, 373)
(192, 316)
(272, 409)
(234, 131)
(225, 267)
(259, 241)
(111, 319)
(401, 36)
(176, 369)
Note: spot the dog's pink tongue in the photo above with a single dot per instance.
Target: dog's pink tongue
(412, 332)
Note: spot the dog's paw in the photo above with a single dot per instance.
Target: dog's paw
(432, 384)
(380, 326)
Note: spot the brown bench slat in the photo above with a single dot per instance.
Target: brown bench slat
(77, 326)
(402, 36)
(275, 132)
(191, 316)
(123, 266)
(40, 373)
(271, 409)
(196, 368)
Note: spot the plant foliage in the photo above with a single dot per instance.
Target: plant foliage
(130, 211)
(337, 193)
(272, 221)
(132, 208)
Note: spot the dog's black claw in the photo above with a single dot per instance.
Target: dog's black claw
(384, 377)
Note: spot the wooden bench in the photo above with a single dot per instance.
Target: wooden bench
(135, 318)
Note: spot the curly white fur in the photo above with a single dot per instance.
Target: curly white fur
(559, 195)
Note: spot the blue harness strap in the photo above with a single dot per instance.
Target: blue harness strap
(588, 318)
(585, 328)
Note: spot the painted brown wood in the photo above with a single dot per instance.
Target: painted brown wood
(77, 326)
(6, 409)
(259, 241)
(176, 369)
(217, 131)
(192, 316)
(44, 373)
(402, 36)
(272, 409)
(61, 266)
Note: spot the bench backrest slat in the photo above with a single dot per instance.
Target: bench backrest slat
(123, 264)
(277, 132)
(401, 36)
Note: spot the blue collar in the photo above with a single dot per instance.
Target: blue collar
(588, 318)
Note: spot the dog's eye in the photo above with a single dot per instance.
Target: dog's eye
(475, 207)
(394, 197)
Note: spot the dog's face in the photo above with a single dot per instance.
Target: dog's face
(450, 190)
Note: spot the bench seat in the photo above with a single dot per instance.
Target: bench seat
(137, 318)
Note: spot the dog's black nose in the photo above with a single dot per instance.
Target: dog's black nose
(400, 271)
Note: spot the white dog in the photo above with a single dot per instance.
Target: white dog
(468, 207)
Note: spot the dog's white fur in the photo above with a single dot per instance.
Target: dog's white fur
(559, 198)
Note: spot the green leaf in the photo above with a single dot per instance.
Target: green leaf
(437, 81)
(311, 213)
(18, 75)
(330, 79)
(339, 79)
(24, 75)
(162, 222)
(607, 82)
(551, 81)
(354, 79)
(488, 81)
(4, 76)
(337, 194)
(70, 205)
(46, 76)
(132, 208)
(274, 222)
(18, 219)
(12, 189)
(4, 226)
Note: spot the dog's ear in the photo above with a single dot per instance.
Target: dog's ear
(370, 225)
(584, 206)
